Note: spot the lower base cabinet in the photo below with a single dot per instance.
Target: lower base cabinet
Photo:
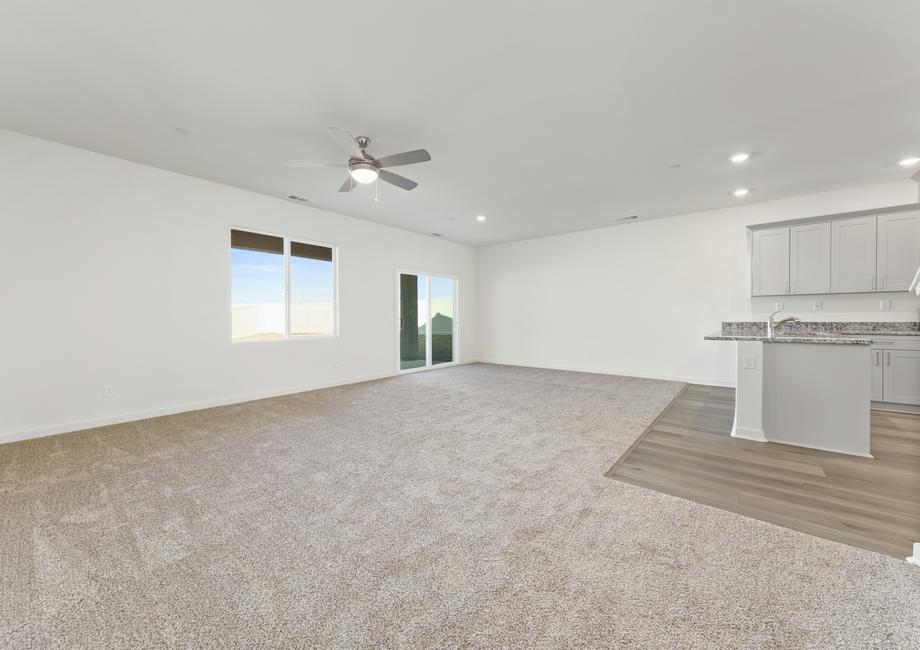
(896, 372)
(901, 382)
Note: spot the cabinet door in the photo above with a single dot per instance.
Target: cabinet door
(898, 250)
(853, 255)
(770, 262)
(810, 258)
(902, 376)
(878, 357)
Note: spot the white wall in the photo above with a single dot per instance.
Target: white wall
(637, 299)
(117, 273)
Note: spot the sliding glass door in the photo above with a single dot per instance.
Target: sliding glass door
(426, 306)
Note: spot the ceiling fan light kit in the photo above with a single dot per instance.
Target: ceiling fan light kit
(363, 172)
(365, 169)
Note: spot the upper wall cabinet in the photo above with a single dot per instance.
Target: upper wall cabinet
(809, 258)
(770, 262)
(853, 255)
(857, 252)
(898, 250)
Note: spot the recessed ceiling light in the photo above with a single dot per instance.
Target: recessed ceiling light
(741, 191)
(182, 131)
(437, 234)
(481, 217)
(910, 161)
(740, 157)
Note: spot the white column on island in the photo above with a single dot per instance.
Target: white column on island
(749, 392)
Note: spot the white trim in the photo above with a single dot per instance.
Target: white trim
(429, 332)
(915, 558)
(92, 423)
(891, 407)
(286, 267)
(757, 435)
(399, 271)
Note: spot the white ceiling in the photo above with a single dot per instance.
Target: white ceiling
(545, 116)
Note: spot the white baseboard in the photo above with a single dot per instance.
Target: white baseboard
(895, 408)
(92, 423)
(705, 381)
(119, 418)
(756, 435)
(915, 558)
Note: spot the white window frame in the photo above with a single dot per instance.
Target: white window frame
(456, 321)
(287, 287)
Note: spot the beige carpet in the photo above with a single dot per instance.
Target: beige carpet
(461, 507)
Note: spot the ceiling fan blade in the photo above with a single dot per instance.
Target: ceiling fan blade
(404, 158)
(346, 142)
(397, 180)
(348, 185)
(309, 163)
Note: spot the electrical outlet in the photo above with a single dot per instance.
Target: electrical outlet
(108, 390)
(817, 305)
(749, 362)
(885, 304)
(779, 307)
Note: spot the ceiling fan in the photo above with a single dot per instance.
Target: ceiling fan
(364, 168)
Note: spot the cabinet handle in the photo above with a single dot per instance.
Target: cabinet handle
(888, 357)
(793, 286)
(873, 283)
(787, 287)
(878, 360)
(882, 283)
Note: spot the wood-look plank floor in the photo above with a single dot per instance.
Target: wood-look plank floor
(873, 503)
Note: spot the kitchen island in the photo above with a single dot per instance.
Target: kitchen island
(808, 386)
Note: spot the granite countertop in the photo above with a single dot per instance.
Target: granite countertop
(827, 333)
(828, 339)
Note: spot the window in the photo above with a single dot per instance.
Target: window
(281, 288)
(311, 289)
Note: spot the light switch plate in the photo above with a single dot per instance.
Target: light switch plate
(817, 305)
(779, 306)
(749, 362)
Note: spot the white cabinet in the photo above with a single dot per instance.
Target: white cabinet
(878, 360)
(896, 370)
(840, 254)
(809, 258)
(898, 250)
(901, 381)
(853, 255)
(770, 262)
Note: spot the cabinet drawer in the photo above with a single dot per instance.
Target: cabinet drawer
(897, 343)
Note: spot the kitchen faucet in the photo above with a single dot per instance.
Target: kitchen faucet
(771, 324)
